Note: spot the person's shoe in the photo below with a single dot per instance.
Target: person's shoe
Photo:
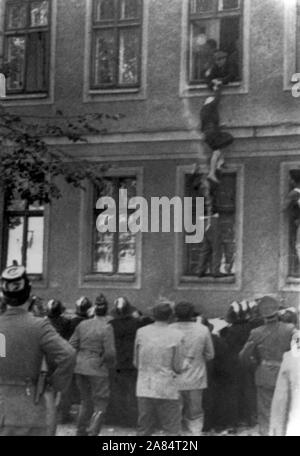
(95, 424)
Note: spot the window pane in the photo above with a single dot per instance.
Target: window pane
(202, 6)
(127, 253)
(15, 240)
(16, 57)
(216, 254)
(104, 57)
(129, 184)
(103, 252)
(39, 12)
(228, 4)
(231, 43)
(104, 10)
(203, 45)
(35, 242)
(129, 9)
(16, 16)
(37, 62)
(36, 207)
(128, 56)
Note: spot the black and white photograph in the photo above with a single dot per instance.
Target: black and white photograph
(150, 220)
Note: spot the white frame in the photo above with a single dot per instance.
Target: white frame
(289, 43)
(36, 98)
(90, 280)
(187, 90)
(193, 283)
(96, 95)
(286, 282)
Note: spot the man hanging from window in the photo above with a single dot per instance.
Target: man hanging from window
(214, 137)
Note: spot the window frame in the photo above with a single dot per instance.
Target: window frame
(286, 282)
(200, 89)
(116, 25)
(41, 280)
(188, 282)
(88, 279)
(26, 31)
(34, 98)
(116, 238)
(215, 14)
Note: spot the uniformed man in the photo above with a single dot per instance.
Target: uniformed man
(28, 341)
(267, 344)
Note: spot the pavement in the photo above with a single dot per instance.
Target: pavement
(114, 431)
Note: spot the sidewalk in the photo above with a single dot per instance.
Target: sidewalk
(110, 431)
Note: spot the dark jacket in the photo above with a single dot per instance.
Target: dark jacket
(124, 331)
(62, 325)
(28, 339)
(270, 342)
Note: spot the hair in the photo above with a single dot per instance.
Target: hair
(162, 311)
(184, 311)
(101, 309)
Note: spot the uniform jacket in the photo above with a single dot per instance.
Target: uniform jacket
(93, 340)
(286, 399)
(198, 348)
(27, 340)
(158, 356)
(270, 341)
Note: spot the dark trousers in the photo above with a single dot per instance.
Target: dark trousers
(211, 249)
(264, 402)
(122, 409)
(166, 412)
(94, 393)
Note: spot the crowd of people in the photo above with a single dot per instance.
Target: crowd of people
(172, 371)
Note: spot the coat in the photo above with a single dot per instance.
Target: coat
(158, 356)
(198, 348)
(27, 340)
(93, 340)
(270, 342)
(286, 399)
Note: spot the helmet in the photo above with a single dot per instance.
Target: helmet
(101, 305)
(83, 305)
(122, 307)
(15, 285)
(55, 308)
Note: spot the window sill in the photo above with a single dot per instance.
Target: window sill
(208, 283)
(114, 95)
(110, 281)
(27, 99)
(38, 282)
(200, 90)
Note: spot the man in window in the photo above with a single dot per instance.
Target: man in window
(292, 204)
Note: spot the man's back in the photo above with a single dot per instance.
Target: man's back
(198, 348)
(93, 339)
(158, 357)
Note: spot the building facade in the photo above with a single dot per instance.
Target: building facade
(147, 60)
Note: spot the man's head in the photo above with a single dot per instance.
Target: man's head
(83, 305)
(101, 305)
(122, 307)
(15, 286)
(55, 308)
(184, 311)
(268, 308)
(162, 311)
(220, 58)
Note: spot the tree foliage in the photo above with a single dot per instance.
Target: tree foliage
(29, 166)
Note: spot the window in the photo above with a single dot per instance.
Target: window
(116, 44)
(215, 256)
(214, 25)
(298, 37)
(24, 236)
(291, 205)
(114, 253)
(27, 46)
